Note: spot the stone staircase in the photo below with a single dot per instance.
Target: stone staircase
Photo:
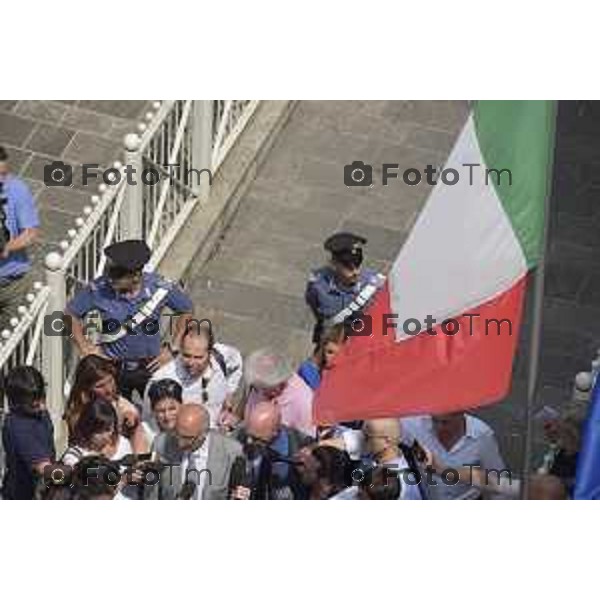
(36, 132)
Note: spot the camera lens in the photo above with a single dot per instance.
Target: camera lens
(358, 178)
(57, 178)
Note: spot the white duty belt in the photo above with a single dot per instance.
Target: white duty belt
(143, 313)
(359, 302)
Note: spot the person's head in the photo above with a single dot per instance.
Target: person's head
(268, 372)
(546, 487)
(95, 478)
(330, 344)
(97, 426)
(566, 429)
(346, 273)
(380, 484)
(123, 281)
(332, 469)
(382, 436)
(125, 264)
(195, 351)
(449, 424)
(191, 427)
(165, 400)
(263, 423)
(4, 168)
(95, 378)
(346, 256)
(307, 466)
(25, 390)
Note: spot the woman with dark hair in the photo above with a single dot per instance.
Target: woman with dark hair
(165, 396)
(27, 433)
(324, 471)
(96, 432)
(96, 379)
(330, 344)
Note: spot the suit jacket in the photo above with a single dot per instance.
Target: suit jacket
(222, 451)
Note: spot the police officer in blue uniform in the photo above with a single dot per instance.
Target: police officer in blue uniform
(341, 290)
(129, 303)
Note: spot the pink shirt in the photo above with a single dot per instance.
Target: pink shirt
(295, 404)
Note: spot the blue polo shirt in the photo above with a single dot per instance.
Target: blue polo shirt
(21, 213)
(326, 297)
(142, 341)
(311, 374)
(27, 440)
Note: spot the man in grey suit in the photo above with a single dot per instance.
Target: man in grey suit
(197, 460)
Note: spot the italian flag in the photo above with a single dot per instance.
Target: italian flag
(465, 264)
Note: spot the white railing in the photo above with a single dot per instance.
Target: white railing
(193, 134)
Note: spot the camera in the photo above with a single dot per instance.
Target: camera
(58, 324)
(4, 232)
(58, 174)
(358, 173)
(358, 325)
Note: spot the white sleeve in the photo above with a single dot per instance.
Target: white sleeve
(71, 456)
(234, 364)
(354, 442)
(489, 453)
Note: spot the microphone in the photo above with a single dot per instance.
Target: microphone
(188, 489)
(239, 475)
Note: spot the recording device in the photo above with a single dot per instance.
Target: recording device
(240, 475)
(188, 489)
(4, 232)
(132, 460)
(258, 469)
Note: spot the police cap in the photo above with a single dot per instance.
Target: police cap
(346, 248)
(128, 256)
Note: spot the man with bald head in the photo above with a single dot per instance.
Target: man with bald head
(197, 460)
(383, 442)
(269, 446)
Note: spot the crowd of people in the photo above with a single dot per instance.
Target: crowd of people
(185, 416)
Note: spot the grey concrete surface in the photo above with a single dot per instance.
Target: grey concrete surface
(252, 287)
(36, 132)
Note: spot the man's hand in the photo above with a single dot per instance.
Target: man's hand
(228, 420)
(162, 359)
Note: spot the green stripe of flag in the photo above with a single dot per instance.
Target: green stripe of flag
(519, 136)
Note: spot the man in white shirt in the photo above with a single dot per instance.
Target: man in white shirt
(382, 439)
(198, 372)
(456, 440)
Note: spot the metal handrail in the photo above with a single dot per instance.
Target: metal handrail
(80, 258)
(165, 186)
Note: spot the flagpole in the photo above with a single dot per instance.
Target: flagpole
(536, 326)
